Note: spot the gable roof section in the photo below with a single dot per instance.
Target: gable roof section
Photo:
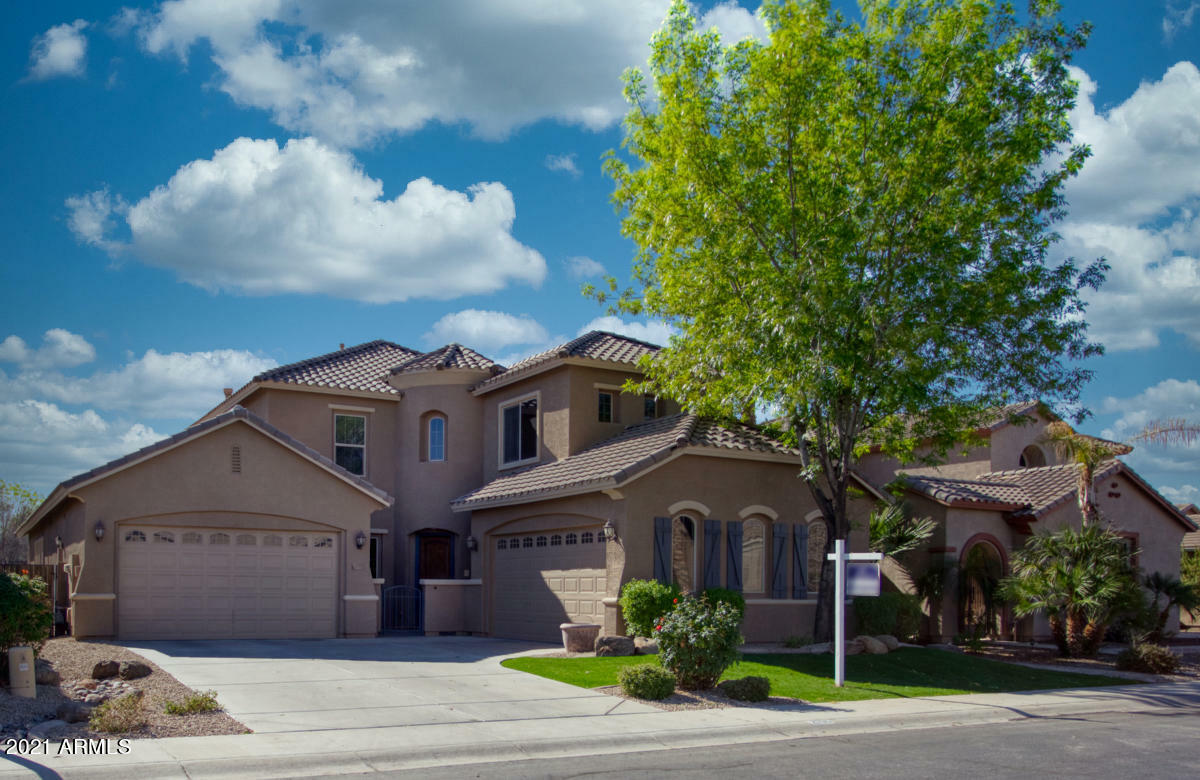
(1030, 492)
(624, 457)
(596, 345)
(361, 367)
(449, 356)
(238, 413)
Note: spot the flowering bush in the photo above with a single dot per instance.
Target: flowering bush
(643, 602)
(697, 641)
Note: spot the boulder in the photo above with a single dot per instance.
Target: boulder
(45, 729)
(614, 645)
(133, 670)
(644, 646)
(871, 645)
(73, 712)
(854, 647)
(45, 674)
(105, 669)
(892, 642)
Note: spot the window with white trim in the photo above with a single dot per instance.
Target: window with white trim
(519, 431)
(350, 442)
(437, 438)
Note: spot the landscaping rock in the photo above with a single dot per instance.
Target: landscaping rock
(105, 669)
(946, 647)
(644, 646)
(614, 645)
(45, 674)
(132, 670)
(872, 646)
(854, 648)
(892, 642)
(819, 647)
(45, 729)
(74, 712)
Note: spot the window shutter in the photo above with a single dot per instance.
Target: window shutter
(779, 561)
(712, 553)
(733, 563)
(799, 561)
(662, 550)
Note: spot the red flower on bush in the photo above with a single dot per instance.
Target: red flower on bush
(675, 601)
(658, 627)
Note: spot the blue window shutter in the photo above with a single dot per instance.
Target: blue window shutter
(662, 550)
(799, 561)
(779, 561)
(712, 553)
(733, 563)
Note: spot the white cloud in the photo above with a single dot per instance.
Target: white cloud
(60, 51)
(486, 331)
(1171, 398)
(92, 218)
(734, 23)
(60, 349)
(655, 332)
(581, 267)
(353, 72)
(1184, 494)
(564, 163)
(306, 219)
(1178, 18)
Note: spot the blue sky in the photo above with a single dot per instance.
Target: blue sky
(195, 191)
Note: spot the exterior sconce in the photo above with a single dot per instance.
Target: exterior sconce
(360, 539)
(58, 542)
(99, 530)
(472, 544)
(609, 531)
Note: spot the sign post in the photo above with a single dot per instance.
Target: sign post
(861, 588)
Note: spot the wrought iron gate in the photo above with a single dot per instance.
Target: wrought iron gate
(403, 608)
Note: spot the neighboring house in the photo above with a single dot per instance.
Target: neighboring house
(988, 499)
(1191, 540)
(318, 498)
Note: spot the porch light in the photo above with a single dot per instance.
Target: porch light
(99, 530)
(472, 543)
(610, 532)
(360, 539)
(58, 542)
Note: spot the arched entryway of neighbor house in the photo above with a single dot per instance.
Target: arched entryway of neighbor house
(981, 565)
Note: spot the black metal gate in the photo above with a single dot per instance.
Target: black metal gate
(403, 609)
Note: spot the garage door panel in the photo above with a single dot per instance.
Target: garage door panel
(538, 587)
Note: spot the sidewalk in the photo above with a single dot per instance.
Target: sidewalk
(362, 750)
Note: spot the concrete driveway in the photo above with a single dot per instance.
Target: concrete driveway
(296, 685)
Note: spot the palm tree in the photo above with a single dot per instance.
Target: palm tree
(1177, 594)
(1088, 452)
(1169, 431)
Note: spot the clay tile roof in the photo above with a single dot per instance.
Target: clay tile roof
(1032, 491)
(620, 458)
(362, 367)
(449, 356)
(593, 345)
(1191, 540)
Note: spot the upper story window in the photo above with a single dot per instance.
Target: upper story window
(437, 438)
(519, 431)
(350, 442)
(650, 407)
(607, 406)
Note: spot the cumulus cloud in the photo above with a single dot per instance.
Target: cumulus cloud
(352, 72)
(262, 220)
(581, 267)
(92, 218)
(486, 330)
(60, 51)
(654, 331)
(1137, 203)
(564, 163)
(1184, 494)
(1178, 16)
(60, 349)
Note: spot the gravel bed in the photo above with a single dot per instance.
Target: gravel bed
(73, 660)
(700, 700)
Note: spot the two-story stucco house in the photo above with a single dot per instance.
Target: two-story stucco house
(328, 497)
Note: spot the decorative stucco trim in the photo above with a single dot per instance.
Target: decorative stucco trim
(451, 582)
(378, 580)
(614, 494)
(380, 531)
(759, 509)
(349, 408)
(686, 505)
(350, 597)
(816, 514)
(93, 596)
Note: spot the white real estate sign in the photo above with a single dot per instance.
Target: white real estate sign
(840, 558)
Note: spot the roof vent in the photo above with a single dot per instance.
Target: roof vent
(235, 459)
(227, 390)
(341, 347)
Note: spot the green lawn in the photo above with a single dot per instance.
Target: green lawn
(904, 673)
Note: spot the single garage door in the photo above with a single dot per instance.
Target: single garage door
(544, 579)
(209, 583)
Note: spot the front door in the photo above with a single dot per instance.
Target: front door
(434, 557)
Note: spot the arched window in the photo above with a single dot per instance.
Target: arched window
(683, 551)
(437, 438)
(754, 550)
(1032, 457)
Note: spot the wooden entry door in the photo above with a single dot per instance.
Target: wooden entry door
(435, 559)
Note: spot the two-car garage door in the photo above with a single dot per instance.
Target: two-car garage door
(541, 580)
(215, 583)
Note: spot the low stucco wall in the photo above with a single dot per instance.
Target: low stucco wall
(453, 606)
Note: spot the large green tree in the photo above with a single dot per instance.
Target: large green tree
(16, 505)
(849, 224)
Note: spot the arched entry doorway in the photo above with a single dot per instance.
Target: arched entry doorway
(433, 555)
(981, 567)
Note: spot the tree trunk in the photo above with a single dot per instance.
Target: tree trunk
(823, 620)
(1059, 631)
(1093, 636)
(1076, 627)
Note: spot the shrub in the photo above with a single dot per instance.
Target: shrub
(205, 701)
(727, 596)
(697, 641)
(121, 715)
(644, 681)
(897, 614)
(28, 614)
(747, 688)
(1148, 658)
(643, 602)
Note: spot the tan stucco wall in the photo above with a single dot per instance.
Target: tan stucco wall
(193, 485)
(553, 390)
(453, 607)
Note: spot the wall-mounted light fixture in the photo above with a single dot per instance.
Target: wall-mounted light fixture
(472, 544)
(58, 542)
(360, 539)
(99, 530)
(610, 532)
